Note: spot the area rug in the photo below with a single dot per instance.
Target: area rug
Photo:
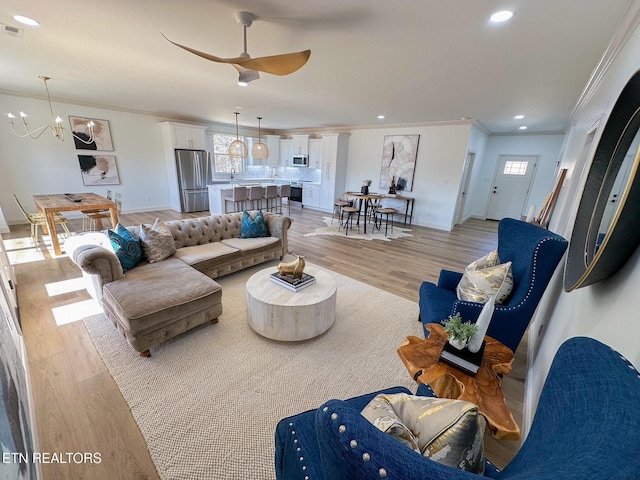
(208, 401)
(332, 229)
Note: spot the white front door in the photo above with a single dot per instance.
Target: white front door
(511, 186)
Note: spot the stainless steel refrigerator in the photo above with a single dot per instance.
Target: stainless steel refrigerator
(194, 174)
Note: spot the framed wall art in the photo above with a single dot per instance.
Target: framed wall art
(399, 154)
(101, 134)
(99, 170)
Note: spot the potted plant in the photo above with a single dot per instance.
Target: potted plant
(459, 332)
(365, 187)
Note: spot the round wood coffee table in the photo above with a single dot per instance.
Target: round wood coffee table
(278, 313)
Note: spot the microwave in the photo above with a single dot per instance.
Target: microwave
(300, 161)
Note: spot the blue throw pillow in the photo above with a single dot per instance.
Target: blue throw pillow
(123, 232)
(128, 250)
(253, 227)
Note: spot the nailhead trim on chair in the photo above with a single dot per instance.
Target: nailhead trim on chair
(533, 279)
(353, 443)
(299, 451)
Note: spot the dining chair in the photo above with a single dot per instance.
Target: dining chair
(338, 205)
(94, 219)
(238, 197)
(388, 211)
(39, 220)
(88, 222)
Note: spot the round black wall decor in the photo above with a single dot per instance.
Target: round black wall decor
(607, 226)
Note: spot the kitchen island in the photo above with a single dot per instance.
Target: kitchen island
(218, 191)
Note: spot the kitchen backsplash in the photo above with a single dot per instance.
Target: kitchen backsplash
(281, 173)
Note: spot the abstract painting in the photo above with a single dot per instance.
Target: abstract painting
(101, 134)
(99, 170)
(16, 414)
(399, 154)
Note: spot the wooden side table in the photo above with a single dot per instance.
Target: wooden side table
(421, 357)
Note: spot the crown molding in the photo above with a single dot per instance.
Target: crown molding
(626, 27)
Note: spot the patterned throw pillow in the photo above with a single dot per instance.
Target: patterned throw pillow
(157, 241)
(126, 247)
(491, 259)
(447, 431)
(479, 285)
(253, 227)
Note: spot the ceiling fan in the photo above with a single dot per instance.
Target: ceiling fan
(249, 68)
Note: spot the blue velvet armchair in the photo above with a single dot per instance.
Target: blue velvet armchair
(534, 253)
(587, 425)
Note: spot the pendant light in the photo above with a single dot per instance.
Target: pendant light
(237, 149)
(259, 151)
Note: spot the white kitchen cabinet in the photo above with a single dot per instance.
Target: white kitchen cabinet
(191, 137)
(311, 195)
(179, 136)
(273, 144)
(315, 153)
(335, 150)
(300, 144)
(286, 152)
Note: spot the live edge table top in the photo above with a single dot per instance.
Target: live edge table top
(421, 358)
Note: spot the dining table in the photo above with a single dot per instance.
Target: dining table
(53, 203)
(366, 200)
(369, 198)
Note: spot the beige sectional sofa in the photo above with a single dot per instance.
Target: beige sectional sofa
(154, 302)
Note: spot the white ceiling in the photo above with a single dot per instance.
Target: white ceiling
(411, 60)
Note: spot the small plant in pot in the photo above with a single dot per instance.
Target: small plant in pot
(365, 187)
(459, 332)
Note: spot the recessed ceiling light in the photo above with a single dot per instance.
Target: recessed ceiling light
(501, 16)
(26, 20)
(380, 117)
(519, 117)
(523, 127)
(243, 84)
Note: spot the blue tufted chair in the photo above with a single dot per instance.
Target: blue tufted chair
(586, 426)
(534, 253)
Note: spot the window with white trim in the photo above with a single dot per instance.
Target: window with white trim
(221, 161)
(515, 168)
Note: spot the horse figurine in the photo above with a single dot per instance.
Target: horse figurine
(294, 267)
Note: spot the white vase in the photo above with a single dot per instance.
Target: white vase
(457, 343)
(484, 319)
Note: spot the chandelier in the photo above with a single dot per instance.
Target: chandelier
(237, 149)
(56, 128)
(259, 151)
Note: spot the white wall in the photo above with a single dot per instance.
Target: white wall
(47, 165)
(548, 147)
(441, 153)
(608, 310)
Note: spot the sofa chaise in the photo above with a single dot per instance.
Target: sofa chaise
(155, 301)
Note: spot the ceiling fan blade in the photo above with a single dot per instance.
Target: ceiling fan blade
(206, 55)
(276, 64)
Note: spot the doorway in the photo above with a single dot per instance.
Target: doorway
(511, 186)
(464, 187)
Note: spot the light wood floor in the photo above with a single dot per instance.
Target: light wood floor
(78, 406)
